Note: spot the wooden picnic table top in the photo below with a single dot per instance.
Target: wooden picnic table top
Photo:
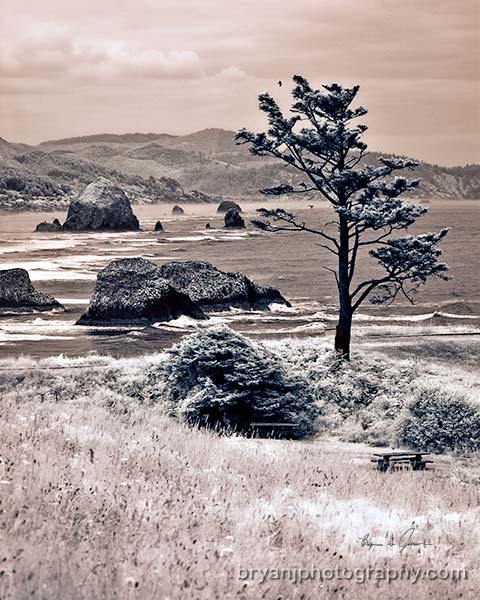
(273, 424)
(388, 454)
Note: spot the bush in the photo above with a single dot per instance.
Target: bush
(219, 379)
(440, 420)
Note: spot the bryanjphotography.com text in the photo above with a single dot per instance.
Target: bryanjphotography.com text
(356, 574)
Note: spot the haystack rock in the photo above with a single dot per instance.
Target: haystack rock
(133, 291)
(233, 220)
(101, 206)
(55, 225)
(226, 205)
(158, 226)
(177, 210)
(17, 292)
(215, 290)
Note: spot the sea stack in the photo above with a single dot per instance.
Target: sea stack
(101, 206)
(158, 226)
(133, 291)
(177, 210)
(18, 293)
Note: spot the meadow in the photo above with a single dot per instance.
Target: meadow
(103, 496)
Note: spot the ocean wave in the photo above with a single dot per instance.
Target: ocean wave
(187, 238)
(61, 276)
(8, 338)
(412, 318)
(80, 266)
(182, 322)
(37, 325)
(422, 329)
(366, 318)
(282, 308)
(81, 301)
(38, 245)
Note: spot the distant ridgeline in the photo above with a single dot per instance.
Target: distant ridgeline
(155, 168)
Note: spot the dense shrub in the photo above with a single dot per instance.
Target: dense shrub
(359, 401)
(439, 420)
(217, 378)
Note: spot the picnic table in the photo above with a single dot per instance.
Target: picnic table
(396, 461)
(282, 430)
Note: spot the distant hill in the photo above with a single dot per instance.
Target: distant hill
(162, 168)
(105, 138)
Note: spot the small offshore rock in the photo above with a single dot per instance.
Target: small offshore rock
(226, 205)
(233, 220)
(55, 225)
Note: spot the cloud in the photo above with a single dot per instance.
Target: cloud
(181, 65)
(233, 73)
(52, 52)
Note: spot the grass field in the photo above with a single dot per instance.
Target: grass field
(103, 497)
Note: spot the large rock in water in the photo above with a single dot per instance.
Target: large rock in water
(215, 290)
(226, 205)
(134, 291)
(233, 220)
(101, 206)
(17, 292)
(177, 210)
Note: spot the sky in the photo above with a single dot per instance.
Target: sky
(178, 66)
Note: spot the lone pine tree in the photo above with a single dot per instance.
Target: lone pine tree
(323, 144)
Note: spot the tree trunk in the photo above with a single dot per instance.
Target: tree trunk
(342, 335)
(344, 326)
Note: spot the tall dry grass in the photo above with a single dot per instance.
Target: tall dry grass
(103, 497)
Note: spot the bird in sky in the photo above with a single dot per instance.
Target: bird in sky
(279, 84)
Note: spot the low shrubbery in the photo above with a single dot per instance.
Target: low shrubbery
(219, 379)
(359, 401)
(439, 419)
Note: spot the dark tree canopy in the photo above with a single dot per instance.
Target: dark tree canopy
(322, 141)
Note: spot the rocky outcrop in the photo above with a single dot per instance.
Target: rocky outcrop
(55, 225)
(177, 210)
(17, 292)
(102, 206)
(226, 205)
(215, 290)
(158, 226)
(134, 291)
(233, 220)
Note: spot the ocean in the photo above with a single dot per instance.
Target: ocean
(65, 266)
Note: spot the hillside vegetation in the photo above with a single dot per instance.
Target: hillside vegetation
(163, 168)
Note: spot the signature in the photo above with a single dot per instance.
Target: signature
(406, 540)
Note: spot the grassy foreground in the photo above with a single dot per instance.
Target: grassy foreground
(102, 497)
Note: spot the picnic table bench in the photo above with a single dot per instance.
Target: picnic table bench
(273, 429)
(396, 461)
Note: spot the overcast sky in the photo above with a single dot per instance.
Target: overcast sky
(74, 68)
